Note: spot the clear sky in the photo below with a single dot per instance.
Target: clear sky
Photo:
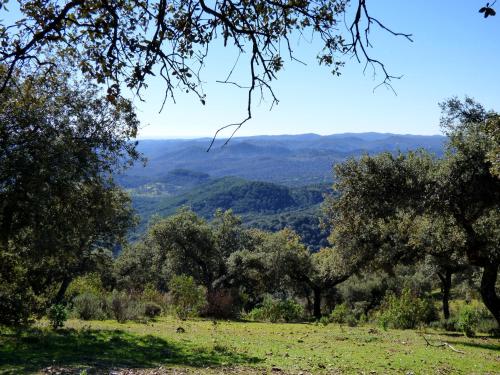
(455, 52)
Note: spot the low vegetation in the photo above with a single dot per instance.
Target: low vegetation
(244, 347)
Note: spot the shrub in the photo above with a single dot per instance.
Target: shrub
(151, 294)
(221, 304)
(406, 311)
(152, 310)
(324, 320)
(445, 324)
(340, 314)
(277, 310)
(57, 315)
(368, 290)
(468, 318)
(351, 320)
(88, 306)
(187, 297)
(17, 299)
(89, 283)
(124, 307)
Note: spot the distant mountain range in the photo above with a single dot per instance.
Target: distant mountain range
(271, 181)
(285, 159)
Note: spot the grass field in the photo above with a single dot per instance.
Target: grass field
(242, 347)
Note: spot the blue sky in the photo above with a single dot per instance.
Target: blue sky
(455, 52)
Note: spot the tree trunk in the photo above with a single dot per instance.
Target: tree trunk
(309, 304)
(488, 292)
(317, 302)
(445, 290)
(62, 291)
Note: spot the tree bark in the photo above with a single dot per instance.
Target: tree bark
(62, 290)
(309, 304)
(445, 290)
(317, 302)
(488, 292)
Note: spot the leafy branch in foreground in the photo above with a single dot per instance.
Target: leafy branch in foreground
(124, 42)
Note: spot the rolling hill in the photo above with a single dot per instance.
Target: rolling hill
(271, 181)
(289, 159)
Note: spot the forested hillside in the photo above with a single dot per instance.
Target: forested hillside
(273, 182)
(261, 204)
(287, 159)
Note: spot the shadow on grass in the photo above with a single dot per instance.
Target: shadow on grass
(472, 344)
(479, 345)
(36, 349)
(446, 333)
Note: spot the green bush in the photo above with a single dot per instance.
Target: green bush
(486, 323)
(187, 298)
(89, 283)
(468, 319)
(445, 324)
(277, 311)
(343, 314)
(123, 306)
(405, 311)
(17, 299)
(57, 315)
(89, 306)
(351, 320)
(367, 291)
(340, 313)
(324, 320)
(152, 310)
(151, 294)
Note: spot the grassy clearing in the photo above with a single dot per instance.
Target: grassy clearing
(246, 347)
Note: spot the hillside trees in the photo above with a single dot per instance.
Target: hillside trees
(444, 242)
(470, 192)
(60, 212)
(441, 238)
(227, 259)
(388, 204)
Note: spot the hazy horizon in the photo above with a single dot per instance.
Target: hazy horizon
(166, 138)
(446, 59)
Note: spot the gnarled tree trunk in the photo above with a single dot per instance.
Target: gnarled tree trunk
(62, 290)
(488, 292)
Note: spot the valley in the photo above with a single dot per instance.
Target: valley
(270, 181)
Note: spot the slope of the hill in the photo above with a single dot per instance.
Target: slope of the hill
(288, 159)
(271, 181)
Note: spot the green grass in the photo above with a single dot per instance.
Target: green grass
(249, 347)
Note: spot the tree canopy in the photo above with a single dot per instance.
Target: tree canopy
(60, 211)
(122, 43)
(397, 208)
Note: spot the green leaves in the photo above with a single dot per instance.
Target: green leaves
(60, 145)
